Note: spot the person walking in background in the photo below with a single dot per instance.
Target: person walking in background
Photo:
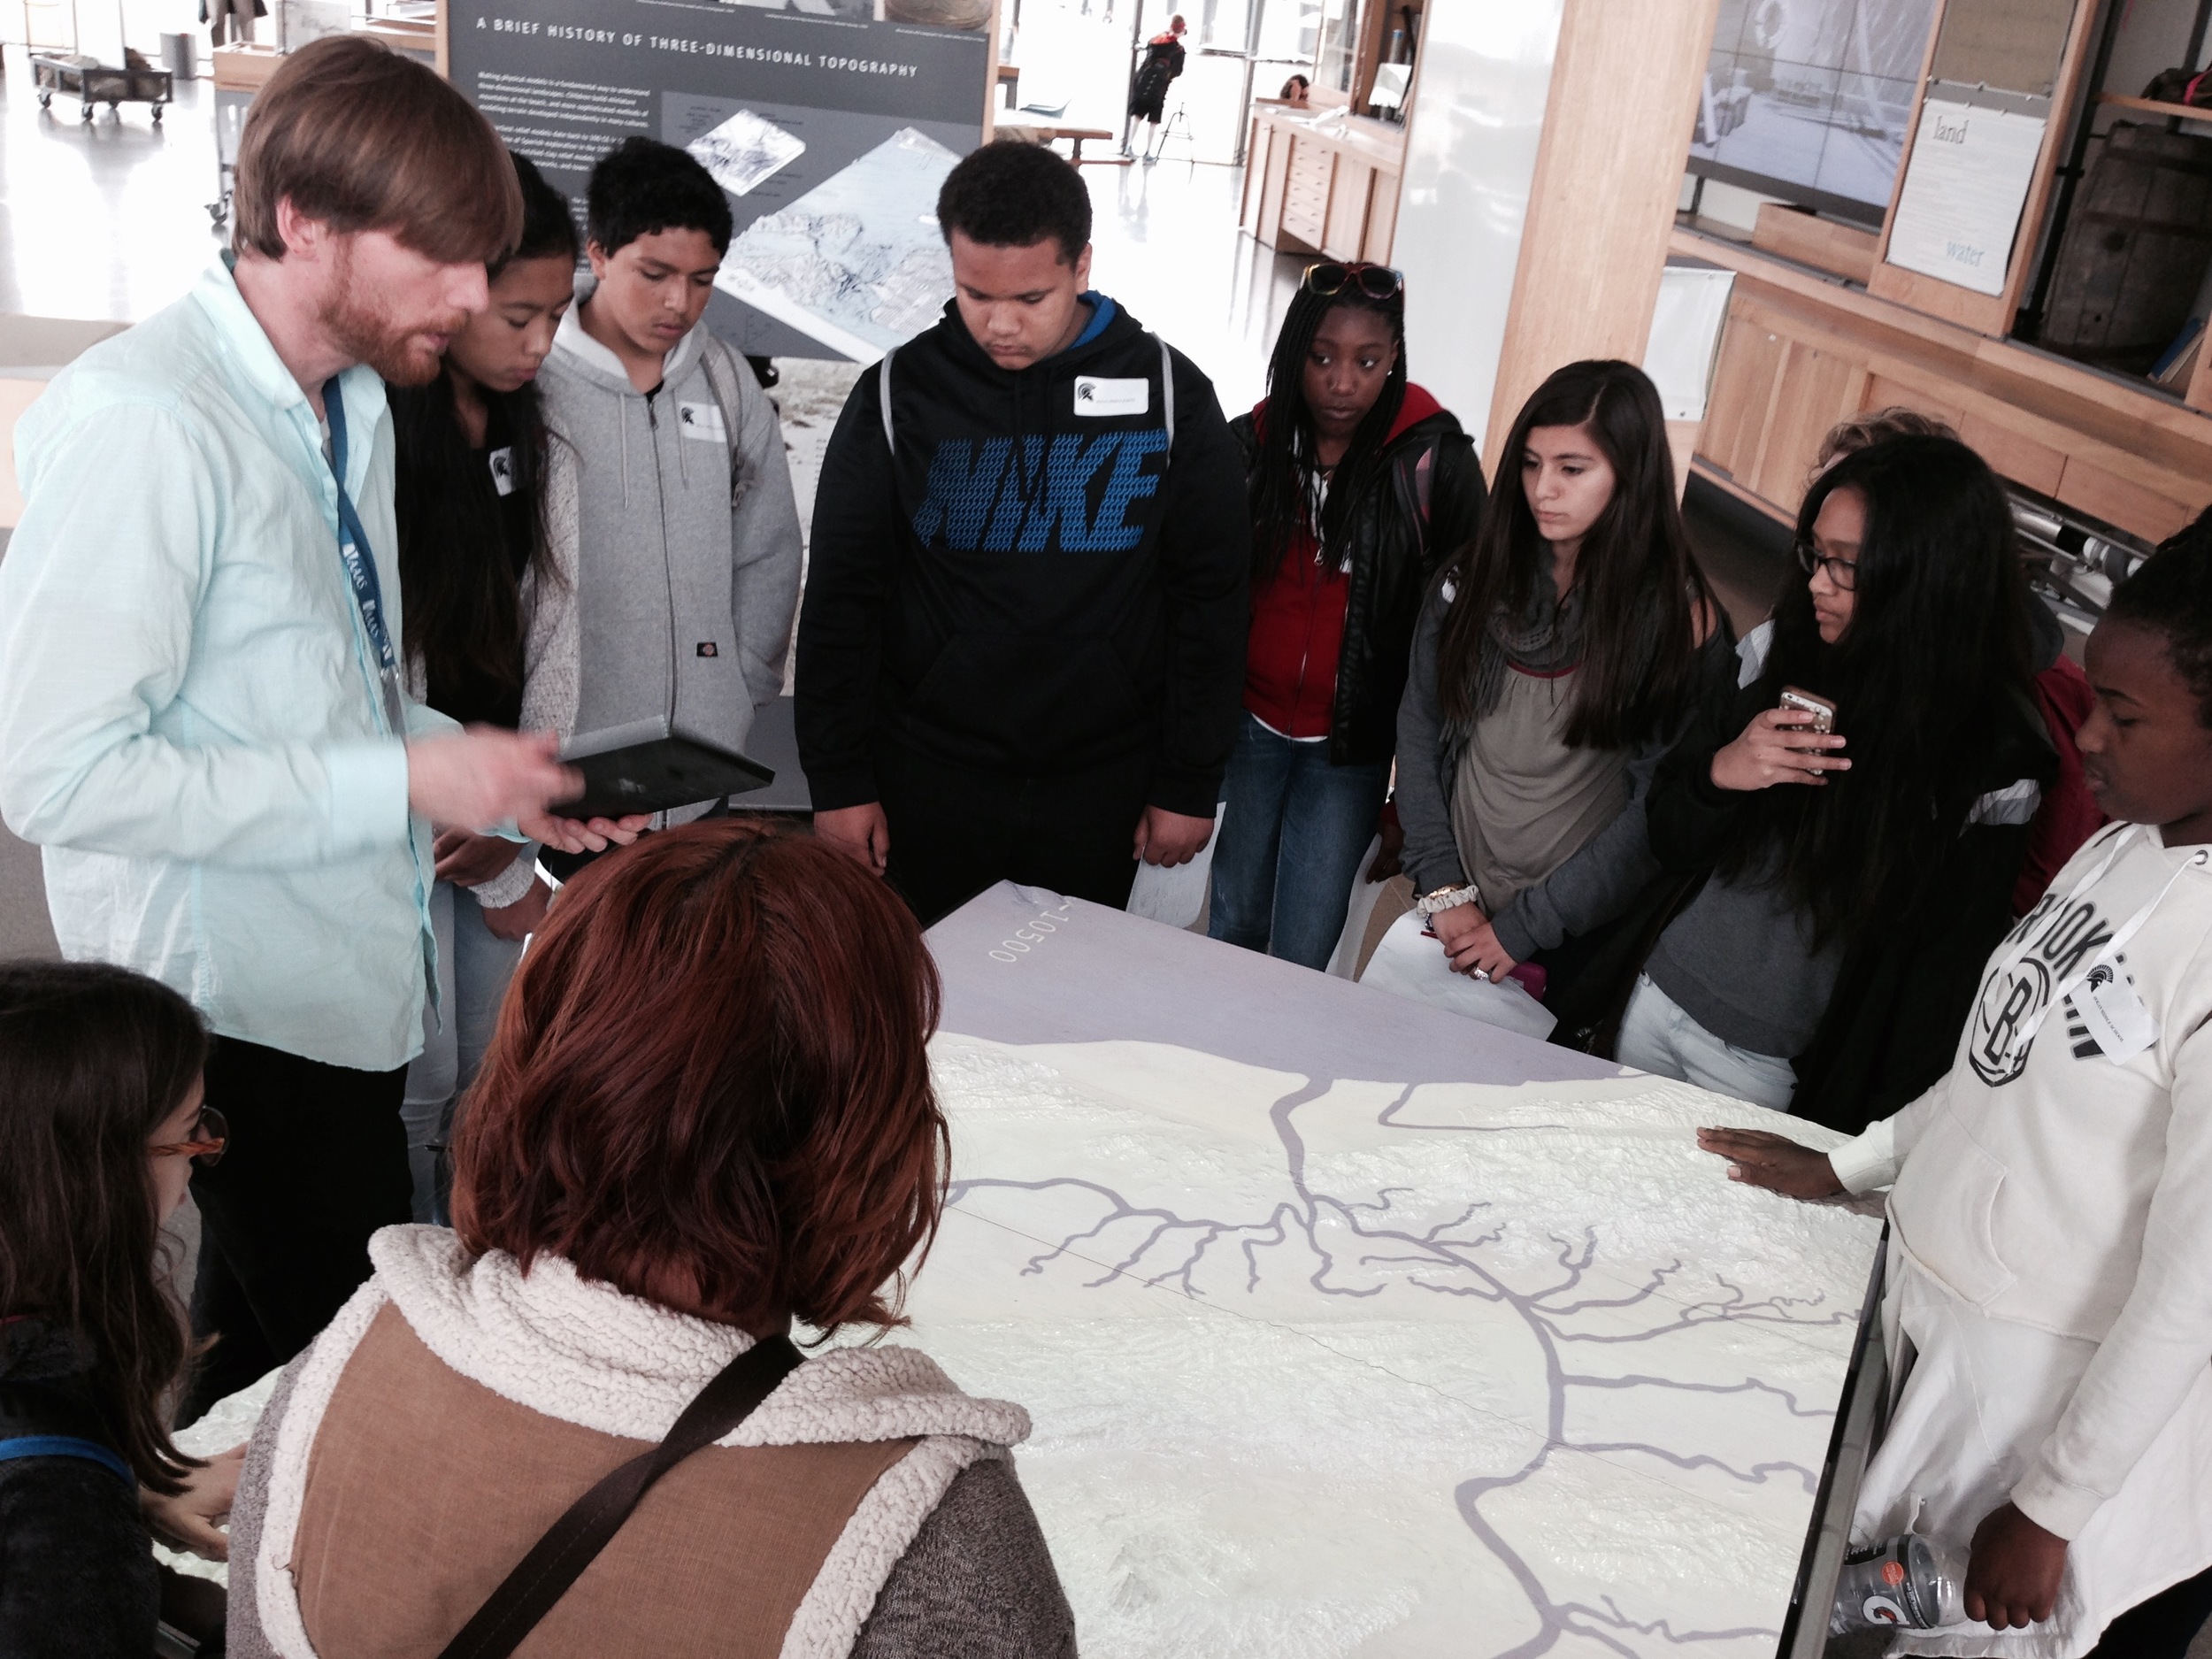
(673, 539)
(1828, 896)
(2047, 1305)
(741, 1015)
(103, 1112)
(1161, 63)
(1023, 640)
(202, 718)
(1554, 664)
(472, 454)
(1360, 484)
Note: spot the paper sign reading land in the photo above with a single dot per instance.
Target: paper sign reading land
(1964, 187)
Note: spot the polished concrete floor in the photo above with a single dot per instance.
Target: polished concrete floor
(106, 218)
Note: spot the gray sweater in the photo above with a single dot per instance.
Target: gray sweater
(671, 521)
(1595, 884)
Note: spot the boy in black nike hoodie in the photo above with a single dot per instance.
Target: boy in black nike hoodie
(1021, 651)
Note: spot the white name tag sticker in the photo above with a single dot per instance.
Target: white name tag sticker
(1096, 397)
(502, 465)
(2114, 1014)
(702, 421)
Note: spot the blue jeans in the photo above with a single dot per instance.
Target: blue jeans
(474, 965)
(1290, 845)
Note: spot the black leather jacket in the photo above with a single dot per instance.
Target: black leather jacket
(1424, 504)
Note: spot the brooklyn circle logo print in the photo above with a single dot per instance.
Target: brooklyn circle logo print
(2005, 1020)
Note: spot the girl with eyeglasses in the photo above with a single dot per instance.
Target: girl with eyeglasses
(102, 1116)
(1828, 898)
(1360, 484)
(1555, 661)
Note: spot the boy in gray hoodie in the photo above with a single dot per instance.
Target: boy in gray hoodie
(669, 510)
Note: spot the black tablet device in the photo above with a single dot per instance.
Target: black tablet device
(652, 766)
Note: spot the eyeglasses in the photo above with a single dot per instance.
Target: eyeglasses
(1843, 572)
(210, 1133)
(1377, 281)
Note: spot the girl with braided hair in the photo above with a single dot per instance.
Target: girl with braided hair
(1360, 484)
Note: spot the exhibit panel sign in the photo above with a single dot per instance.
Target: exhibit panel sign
(829, 129)
(1349, 1327)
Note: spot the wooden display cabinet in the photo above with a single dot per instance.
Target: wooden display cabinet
(1331, 191)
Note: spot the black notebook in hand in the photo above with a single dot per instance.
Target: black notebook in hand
(652, 766)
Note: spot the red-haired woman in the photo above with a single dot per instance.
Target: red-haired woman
(706, 1113)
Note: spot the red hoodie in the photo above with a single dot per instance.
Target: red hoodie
(1298, 618)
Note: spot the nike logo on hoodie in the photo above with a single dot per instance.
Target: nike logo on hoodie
(993, 496)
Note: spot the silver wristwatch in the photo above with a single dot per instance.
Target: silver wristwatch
(1445, 899)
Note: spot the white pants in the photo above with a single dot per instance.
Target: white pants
(1979, 1398)
(474, 965)
(1657, 1036)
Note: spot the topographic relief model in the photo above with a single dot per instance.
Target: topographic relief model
(856, 263)
(744, 150)
(1329, 1360)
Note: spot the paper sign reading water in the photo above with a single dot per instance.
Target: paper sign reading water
(1964, 187)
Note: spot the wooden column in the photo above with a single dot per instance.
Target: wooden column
(1616, 126)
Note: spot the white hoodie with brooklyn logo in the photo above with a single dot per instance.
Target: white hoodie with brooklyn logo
(2052, 1213)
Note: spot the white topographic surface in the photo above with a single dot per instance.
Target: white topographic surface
(1337, 1367)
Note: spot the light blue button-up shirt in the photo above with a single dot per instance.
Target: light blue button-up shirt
(191, 725)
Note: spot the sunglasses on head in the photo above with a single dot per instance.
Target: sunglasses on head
(1377, 281)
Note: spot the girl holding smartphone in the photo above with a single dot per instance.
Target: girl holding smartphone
(1827, 900)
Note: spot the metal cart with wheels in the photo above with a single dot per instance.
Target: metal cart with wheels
(92, 83)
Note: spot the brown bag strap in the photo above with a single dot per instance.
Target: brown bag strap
(572, 1543)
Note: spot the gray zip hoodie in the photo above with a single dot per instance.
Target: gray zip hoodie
(672, 525)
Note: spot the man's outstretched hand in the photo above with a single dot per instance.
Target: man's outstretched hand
(2013, 1568)
(1780, 1165)
(476, 778)
(1171, 838)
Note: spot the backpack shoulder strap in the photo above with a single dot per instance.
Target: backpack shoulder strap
(883, 396)
(729, 403)
(67, 1445)
(1167, 389)
(572, 1543)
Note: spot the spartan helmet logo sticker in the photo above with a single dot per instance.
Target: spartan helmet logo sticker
(2005, 1018)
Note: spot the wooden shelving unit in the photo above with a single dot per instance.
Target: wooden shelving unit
(2152, 106)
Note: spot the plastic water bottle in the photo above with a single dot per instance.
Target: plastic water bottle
(1909, 1583)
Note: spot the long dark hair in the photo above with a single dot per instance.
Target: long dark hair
(1933, 664)
(92, 1058)
(1281, 482)
(461, 597)
(1642, 594)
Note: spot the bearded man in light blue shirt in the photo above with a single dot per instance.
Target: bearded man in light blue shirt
(203, 717)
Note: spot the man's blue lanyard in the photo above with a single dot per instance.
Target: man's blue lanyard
(353, 547)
